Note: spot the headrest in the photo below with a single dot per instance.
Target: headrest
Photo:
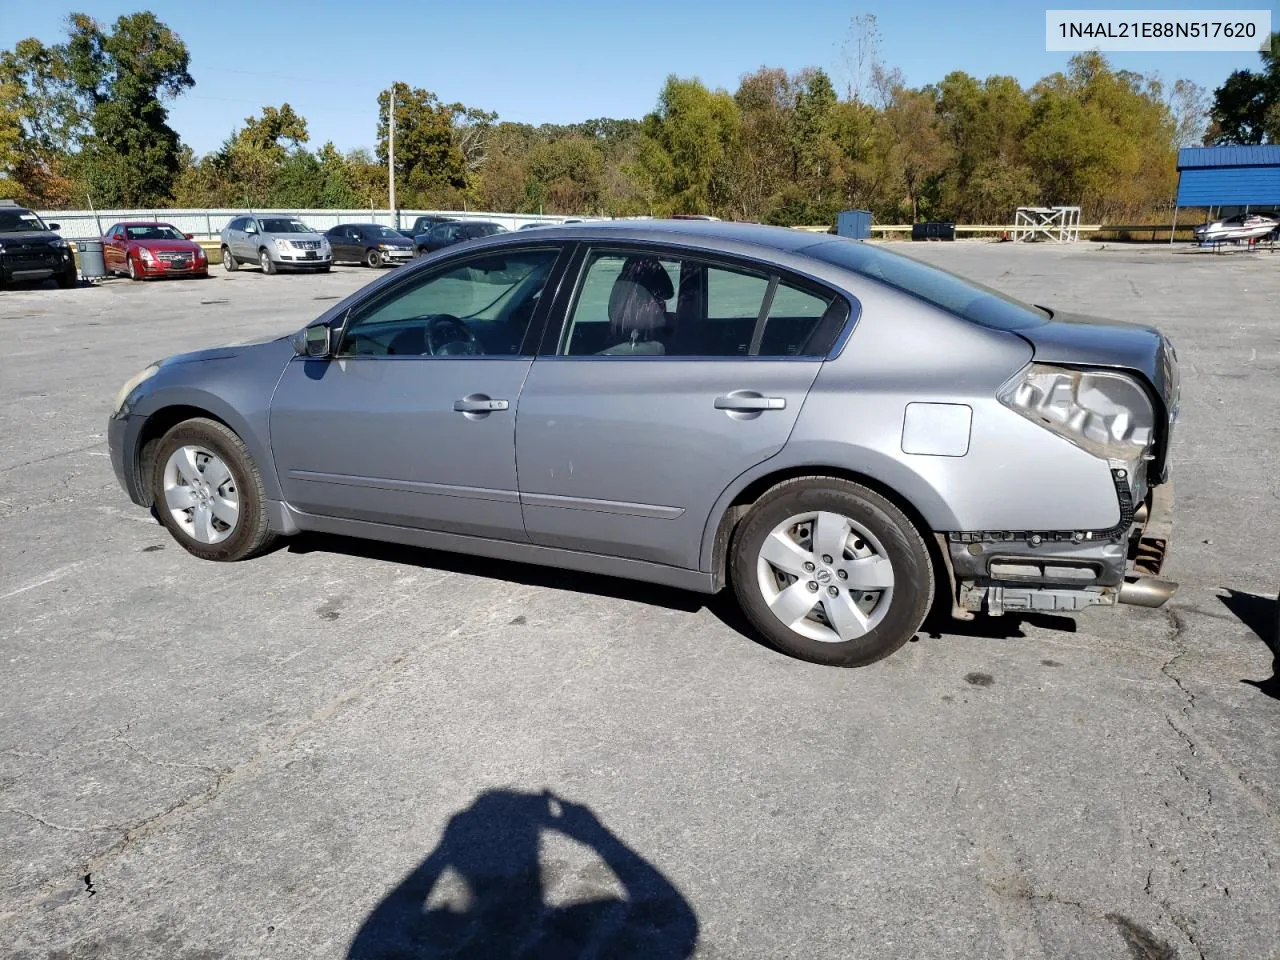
(650, 274)
(633, 308)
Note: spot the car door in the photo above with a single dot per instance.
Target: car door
(412, 422)
(671, 376)
(247, 240)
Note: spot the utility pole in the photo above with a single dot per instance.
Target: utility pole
(391, 160)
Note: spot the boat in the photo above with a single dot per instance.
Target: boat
(1243, 226)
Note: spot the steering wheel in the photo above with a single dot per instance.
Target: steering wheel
(447, 336)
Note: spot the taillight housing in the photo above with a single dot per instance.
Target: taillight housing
(1105, 412)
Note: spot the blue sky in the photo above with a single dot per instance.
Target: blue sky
(560, 62)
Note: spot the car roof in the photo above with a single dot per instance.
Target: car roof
(144, 223)
(710, 232)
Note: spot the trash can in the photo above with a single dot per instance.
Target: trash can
(92, 266)
(934, 230)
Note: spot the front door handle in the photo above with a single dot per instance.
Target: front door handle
(750, 404)
(479, 403)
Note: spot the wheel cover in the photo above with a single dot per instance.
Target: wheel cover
(264, 258)
(825, 577)
(200, 494)
(226, 259)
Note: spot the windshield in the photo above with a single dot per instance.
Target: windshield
(285, 225)
(158, 232)
(964, 298)
(386, 233)
(15, 221)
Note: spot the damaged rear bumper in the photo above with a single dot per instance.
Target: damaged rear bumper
(1000, 572)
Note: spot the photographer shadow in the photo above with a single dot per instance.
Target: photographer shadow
(483, 892)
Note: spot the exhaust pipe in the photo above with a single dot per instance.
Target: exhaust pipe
(1147, 591)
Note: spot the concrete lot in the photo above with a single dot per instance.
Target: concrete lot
(286, 758)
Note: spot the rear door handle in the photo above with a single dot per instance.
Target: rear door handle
(752, 404)
(478, 403)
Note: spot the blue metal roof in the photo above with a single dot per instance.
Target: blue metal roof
(1190, 158)
(1229, 176)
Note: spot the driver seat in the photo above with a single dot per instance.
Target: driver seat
(638, 307)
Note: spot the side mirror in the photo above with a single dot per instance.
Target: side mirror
(189, 236)
(54, 226)
(315, 341)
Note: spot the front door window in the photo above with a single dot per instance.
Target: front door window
(480, 307)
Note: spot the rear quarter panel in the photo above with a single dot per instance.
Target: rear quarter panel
(1014, 474)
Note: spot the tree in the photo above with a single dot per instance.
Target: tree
(40, 122)
(120, 79)
(565, 176)
(1246, 108)
(694, 131)
(917, 149)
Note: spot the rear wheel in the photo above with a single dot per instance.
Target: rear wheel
(208, 492)
(373, 259)
(229, 262)
(264, 260)
(832, 572)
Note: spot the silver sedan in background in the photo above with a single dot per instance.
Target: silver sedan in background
(844, 436)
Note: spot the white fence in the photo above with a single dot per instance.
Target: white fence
(204, 223)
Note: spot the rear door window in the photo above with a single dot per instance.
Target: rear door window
(659, 305)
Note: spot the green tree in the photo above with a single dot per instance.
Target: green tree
(430, 164)
(693, 134)
(565, 176)
(120, 77)
(1246, 108)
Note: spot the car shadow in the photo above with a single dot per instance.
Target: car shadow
(483, 892)
(1262, 616)
(721, 605)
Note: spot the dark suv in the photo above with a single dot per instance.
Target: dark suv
(30, 250)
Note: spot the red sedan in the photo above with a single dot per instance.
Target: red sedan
(144, 248)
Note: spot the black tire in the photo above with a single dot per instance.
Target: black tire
(229, 262)
(264, 260)
(372, 258)
(252, 534)
(913, 579)
(68, 279)
(324, 269)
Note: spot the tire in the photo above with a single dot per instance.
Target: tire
(264, 260)
(249, 534)
(863, 626)
(229, 262)
(324, 269)
(68, 279)
(133, 269)
(372, 258)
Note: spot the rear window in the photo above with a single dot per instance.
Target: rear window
(943, 289)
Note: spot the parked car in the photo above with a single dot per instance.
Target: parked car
(369, 243)
(148, 248)
(424, 223)
(455, 231)
(274, 242)
(833, 430)
(30, 250)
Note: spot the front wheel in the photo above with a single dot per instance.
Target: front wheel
(68, 279)
(373, 259)
(133, 270)
(831, 572)
(208, 492)
(268, 265)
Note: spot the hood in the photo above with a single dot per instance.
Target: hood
(15, 237)
(296, 236)
(396, 241)
(182, 245)
(229, 351)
